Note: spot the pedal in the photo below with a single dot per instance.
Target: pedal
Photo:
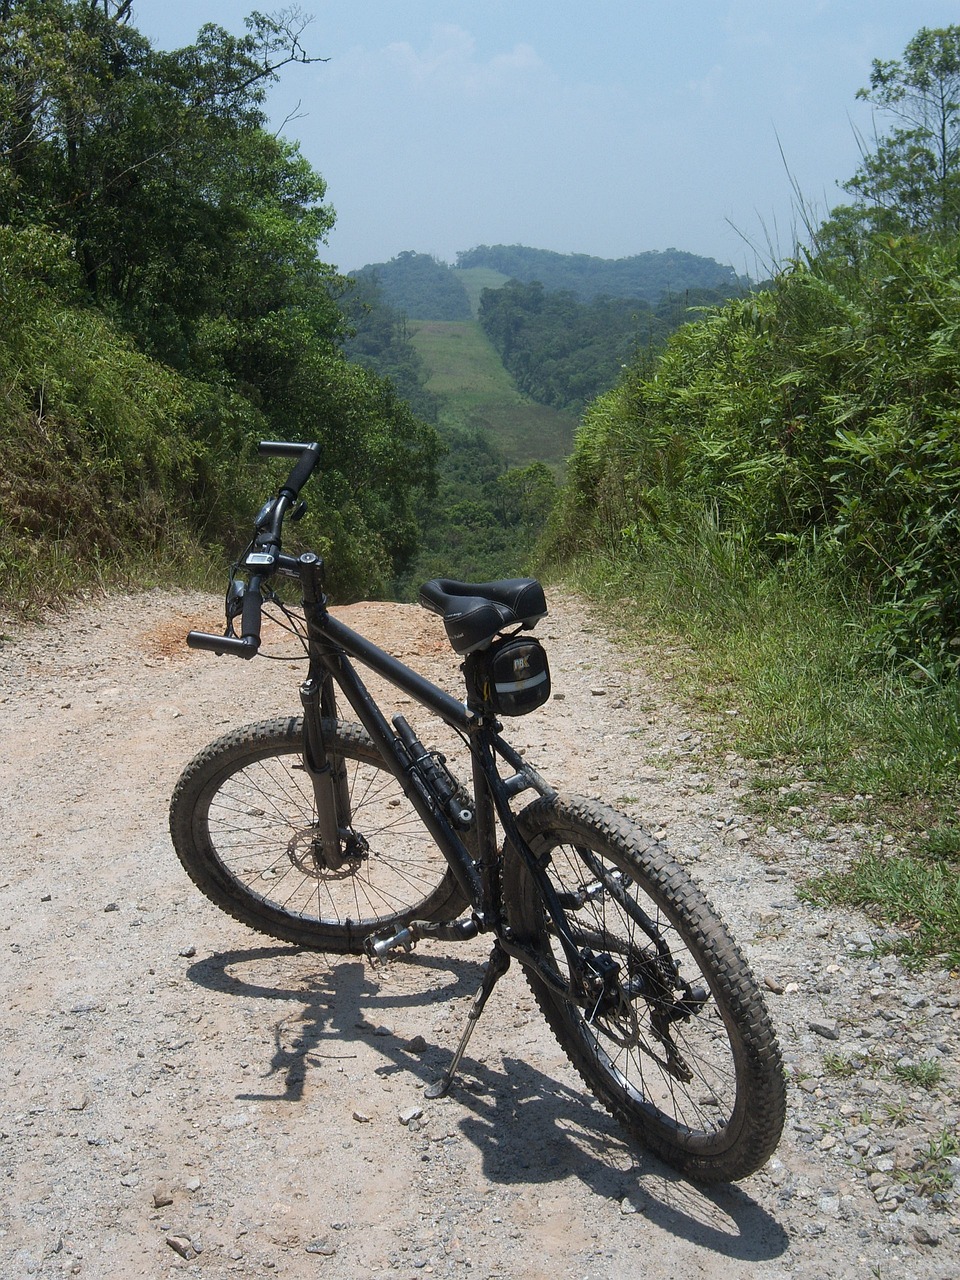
(379, 945)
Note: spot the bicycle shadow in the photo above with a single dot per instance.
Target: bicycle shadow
(500, 1106)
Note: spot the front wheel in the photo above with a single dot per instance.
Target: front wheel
(243, 822)
(671, 1034)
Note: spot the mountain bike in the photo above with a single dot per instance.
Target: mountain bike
(357, 838)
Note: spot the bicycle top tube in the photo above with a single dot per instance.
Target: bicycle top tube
(398, 673)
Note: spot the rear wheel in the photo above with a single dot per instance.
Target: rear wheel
(244, 825)
(674, 1038)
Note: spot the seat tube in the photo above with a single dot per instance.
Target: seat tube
(486, 825)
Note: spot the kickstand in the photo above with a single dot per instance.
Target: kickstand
(497, 966)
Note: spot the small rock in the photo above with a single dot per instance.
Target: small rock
(631, 1204)
(923, 1235)
(181, 1245)
(829, 1030)
(161, 1196)
(773, 985)
(112, 906)
(187, 952)
(416, 1045)
(411, 1113)
(361, 1117)
(323, 1247)
(47, 897)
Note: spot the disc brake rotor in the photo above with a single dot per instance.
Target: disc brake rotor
(305, 852)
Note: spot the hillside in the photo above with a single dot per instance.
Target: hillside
(476, 392)
(645, 275)
(476, 279)
(426, 289)
(419, 286)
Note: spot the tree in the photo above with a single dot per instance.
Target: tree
(154, 164)
(148, 185)
(911, 182)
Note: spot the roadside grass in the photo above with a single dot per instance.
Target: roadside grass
(781, 671)
(478, 393)
(44, 579)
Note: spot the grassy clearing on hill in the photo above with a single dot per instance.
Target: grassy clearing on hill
(477, 392)
(476, 279)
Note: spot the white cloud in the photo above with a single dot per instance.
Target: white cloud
(449, 63)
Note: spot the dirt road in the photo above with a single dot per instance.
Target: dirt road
(183, 1097)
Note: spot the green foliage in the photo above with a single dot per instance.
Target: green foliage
(379, 339)
(563, 352)
(164, 305)
(645, 275)
(912, 181)
(419, 286)
(94, 434)
(487, 517)
(820, 415)
(558, 350)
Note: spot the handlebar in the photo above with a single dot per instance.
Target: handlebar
(264, 555)
(308, 456)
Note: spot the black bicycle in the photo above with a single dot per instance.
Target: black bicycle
(354, 838)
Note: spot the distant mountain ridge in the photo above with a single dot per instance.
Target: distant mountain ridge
(426, 289)
(645, 275)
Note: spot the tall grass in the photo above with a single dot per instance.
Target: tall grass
(781, 666)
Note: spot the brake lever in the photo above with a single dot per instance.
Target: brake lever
(234, 601)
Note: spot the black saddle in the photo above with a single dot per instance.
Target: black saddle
(474, 613)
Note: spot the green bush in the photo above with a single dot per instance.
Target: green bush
(818, 417)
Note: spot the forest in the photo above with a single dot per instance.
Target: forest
(165, 304)
(565, 352)
(644, 275)
(419, 286)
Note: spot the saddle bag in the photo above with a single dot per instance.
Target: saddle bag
(516, 675)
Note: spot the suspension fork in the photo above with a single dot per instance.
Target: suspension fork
(327, 770)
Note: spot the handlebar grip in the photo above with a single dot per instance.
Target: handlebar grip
(252, 606)
(302, 472)
(245, 648)
(308, 455)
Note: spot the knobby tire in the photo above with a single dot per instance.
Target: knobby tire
(244, 826)
(707, 1094)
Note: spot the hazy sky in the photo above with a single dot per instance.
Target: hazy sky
(584, 126)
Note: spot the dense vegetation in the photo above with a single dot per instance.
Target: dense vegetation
(419, 286)
(378, 338)
(164, 305)
(486, 515)
(783, 485)
(564, 352)
(645, 275)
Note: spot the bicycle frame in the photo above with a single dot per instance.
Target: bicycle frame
(331, 645)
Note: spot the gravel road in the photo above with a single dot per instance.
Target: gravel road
(183, 1097)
